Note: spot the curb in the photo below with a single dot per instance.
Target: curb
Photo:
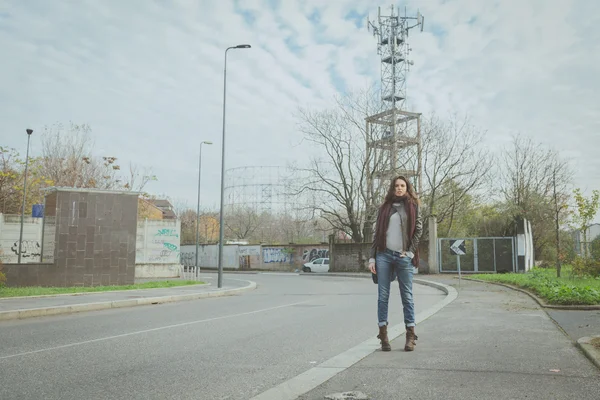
(540, 301)
(43, 296)
(47, 311)
(589, 350)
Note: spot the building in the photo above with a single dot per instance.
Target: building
(593, 232)
(147, 210)
(166, 207)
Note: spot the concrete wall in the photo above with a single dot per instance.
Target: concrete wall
(349, 257)
(273, 258)
(31, 248)
(208, 256)
(249, 256)
(292, 257)
(157, 249)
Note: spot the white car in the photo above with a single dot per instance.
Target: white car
(317, 265)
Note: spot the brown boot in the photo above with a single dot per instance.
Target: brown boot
(410, 339)
(383, 336)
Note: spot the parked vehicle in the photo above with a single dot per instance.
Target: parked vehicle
(317, 265)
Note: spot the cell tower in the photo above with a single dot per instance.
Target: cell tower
(393, 140)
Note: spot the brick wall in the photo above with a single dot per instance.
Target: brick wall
(33, 274)
(90, 242)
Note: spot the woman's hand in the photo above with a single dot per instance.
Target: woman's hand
(372, 268)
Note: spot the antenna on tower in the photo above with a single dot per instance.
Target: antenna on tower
(391, 130)
(392, 33)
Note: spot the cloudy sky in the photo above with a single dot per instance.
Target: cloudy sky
(148, 75)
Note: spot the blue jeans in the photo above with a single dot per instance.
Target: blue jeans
(388, 267)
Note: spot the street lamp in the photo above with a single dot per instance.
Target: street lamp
(29, 132)
(220, 279)
(198, 210)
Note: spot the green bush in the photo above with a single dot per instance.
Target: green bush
(2, 277)
(545, 284)
(556, 292)
(583, 267)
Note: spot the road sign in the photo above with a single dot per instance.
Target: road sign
(457, 247)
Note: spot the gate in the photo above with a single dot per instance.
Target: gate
(484, 254)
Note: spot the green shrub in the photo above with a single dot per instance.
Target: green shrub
(583, 267)
(2, 277)
(545, 284)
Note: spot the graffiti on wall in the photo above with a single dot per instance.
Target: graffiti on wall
(249, 251)
(167, 232)
(187, 258)
(166, 254)
(29, 248)
(312, 254)
(158, 242)
(276, 255)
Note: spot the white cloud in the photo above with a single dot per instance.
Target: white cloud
(148, 75)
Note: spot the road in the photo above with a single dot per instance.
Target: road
(222, 348)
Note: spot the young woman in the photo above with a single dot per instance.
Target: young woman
(394, 253)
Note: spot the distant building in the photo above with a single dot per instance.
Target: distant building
(147, 210)
(166, 207)
(592, 233)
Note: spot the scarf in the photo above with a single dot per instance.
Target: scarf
(384, 219)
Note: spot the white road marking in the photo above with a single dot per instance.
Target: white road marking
(315, 376)
(150, 330)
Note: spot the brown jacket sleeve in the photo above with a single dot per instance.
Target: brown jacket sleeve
(416, 239)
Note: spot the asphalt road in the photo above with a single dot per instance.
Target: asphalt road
(222, 348)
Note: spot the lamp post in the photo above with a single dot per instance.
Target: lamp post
(198, 207)
(220, 279)
(29, 132)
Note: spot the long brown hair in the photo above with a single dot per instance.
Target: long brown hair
(410, 191)
(411, 203)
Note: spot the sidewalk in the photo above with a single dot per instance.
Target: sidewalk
(26, 307)
(490, 343)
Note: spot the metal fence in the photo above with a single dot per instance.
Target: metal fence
(489, 254)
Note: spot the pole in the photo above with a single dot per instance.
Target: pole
(557, 225)
(198, 208)
(458, 266)
(221, 230)
(29, 132)
(221, 223)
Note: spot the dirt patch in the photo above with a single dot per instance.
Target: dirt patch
(595, 342)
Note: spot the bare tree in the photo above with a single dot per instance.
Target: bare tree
(68, 161)
(531, 173)
(242, 222)
(10, 174)
(180, 205)
(188, 226)
(138, 177)
(560, 206)
(455, 165)
(339, 178)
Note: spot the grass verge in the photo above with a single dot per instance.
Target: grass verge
(566, 290)
(42, 291)
(596, 343)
